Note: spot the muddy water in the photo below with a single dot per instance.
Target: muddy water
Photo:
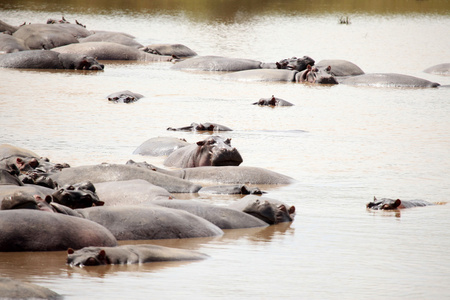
(342, 144)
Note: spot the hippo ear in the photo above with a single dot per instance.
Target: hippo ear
(282, 208)
(101, 254)
(397, 203)
(374, 198)
(328, 68)
(99, 203)
(70, 251)
(292, 210)
(48, 199)
(200, 143)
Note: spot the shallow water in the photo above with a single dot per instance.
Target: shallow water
(342, 144)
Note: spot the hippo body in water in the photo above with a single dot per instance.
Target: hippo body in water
(129, 254)
(48, 59)
(213, 151)
(160, 146)
(202, 127)
(391, 204)
(388, 80)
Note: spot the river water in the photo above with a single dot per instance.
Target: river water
(342, 144)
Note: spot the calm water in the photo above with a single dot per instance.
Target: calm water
(343, 144)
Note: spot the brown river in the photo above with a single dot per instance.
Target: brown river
(343, 144)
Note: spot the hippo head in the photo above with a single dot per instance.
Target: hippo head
(89, 256)
(89, 63)
(316, 75)
(270, 212)
(294, 63)
(384, 204)
(27, 163)
(215, 151)
(77, 196)
(44, 204)
(19, 200)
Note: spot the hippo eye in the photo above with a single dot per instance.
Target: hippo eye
(71, 188)
(210, 142)
(228, 141)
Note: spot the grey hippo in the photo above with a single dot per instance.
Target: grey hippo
(34, 230)
(177, 50)
(391, 204)
(440, 69)
(311, 75)
(340, 67)
(222, 217)
(9, 44)
(15, 289)
(111, 51)
(388, 80)
(150, 222)
(294, 63)
(118, 172)
(47, 59)
(218, 63)
(129, 254)
(48, 36)
(228, 175)
(160, 146)
(272, 101)
(202, 127)
(112, 37)
(213, 151)
(269, 210)
(125, 96)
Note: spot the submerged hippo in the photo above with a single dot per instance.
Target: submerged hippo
(272, 102)
(202, 127)
(129, 254)
(228, 175)
(340, 67)
(222, 217)
(269, 210)
(213, 151)
(160, 146)
(9, 44)
(177, 50)
(34, 230)
(390, 204)
(111, 51)
(218, 63)
(47, 59)
(150, 222)
(112, 37)
(231, 189)
(15, 289)
(441, 69)
(389, 80)
(124, 97)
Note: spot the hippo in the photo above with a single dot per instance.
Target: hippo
(294, 63)
(269, 210)
(112, 37)
(15, 289)
(218, 63)
(177, 50)
(202, 127)
(8, 151)
(124, 97)
(441, 69)
(150, 222)
(340, 67)
(48, 36)
(213, 151)
(228, 175)
(118, 172)
(312, 75)
(47, 204)
(28, 189)
(9, 176)
(388, 80)
(222, 217)
(272, 102)
(78, 195)
(19, 200)
(111, 51)
(129, 192)
(129, 254)
(160, 146)
(391, 204)
(48, 59)
(34, 230)
(9, 44)
(231, 189)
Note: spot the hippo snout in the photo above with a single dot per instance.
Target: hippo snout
(227, 157)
